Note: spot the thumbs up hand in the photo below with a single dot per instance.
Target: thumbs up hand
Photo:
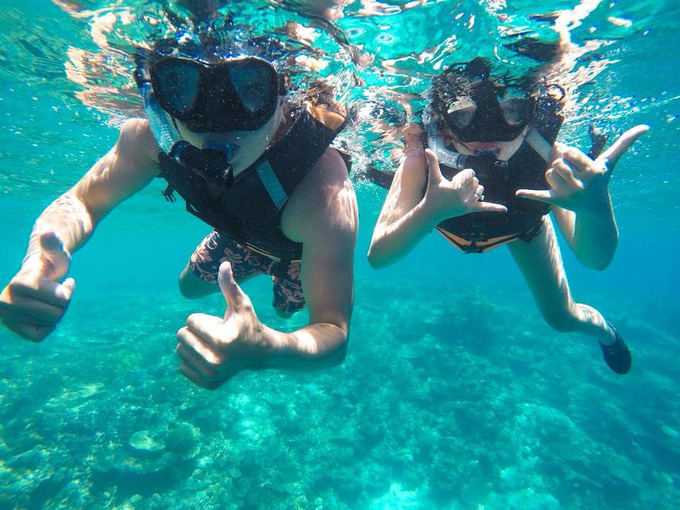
(214, 349)
(34, 301)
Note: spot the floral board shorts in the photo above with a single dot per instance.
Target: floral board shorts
(245, 262)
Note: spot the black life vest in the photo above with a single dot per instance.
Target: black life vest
(480, 231)
(249, 210)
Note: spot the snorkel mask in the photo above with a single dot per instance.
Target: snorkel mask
(467, 103)
(236, 94)
(478, 109)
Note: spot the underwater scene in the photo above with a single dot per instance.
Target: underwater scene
(454, 392)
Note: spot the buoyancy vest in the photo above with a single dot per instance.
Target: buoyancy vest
(480, 231)
(249, 209)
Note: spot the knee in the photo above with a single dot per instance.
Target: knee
(187, 285)
(184, 287)
(560, 320)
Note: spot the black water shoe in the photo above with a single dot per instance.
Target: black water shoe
(617, 355)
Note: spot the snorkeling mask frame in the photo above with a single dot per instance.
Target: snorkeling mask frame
(473, 111)
(218, 96)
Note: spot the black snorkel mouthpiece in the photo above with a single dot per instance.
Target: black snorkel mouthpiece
(483, 164)
(211, 164)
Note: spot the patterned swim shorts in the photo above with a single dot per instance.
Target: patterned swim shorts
(245, 262)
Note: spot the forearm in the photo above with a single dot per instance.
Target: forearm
(393, 241)
(69, 218)
(592, 234)
(315, 346)
(596, 237)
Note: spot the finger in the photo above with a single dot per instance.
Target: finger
(32, 332)
(480, 192)
(29, 315)
(200, 348)
(32, 308)
(542, 195)
(556, 152)
(54, 253)
(204, 325)
(556, 183)
(433, 166)
(197, 363)
(47, 291)
(464, 179)
(490, 207)
(621, 145)
(578, 160)
(196, 378)
(468, 193)
(467, 176)
(235, 297)
(566, 173)
(213, 330)
(67, 288)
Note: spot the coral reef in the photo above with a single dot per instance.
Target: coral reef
(440, 404)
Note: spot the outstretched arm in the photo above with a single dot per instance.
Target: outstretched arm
(328, 234)
(579, 192)
(404, 219)
(123, 171)
(34, 301)
(214, 349)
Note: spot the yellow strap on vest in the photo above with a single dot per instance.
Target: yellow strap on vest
(332, 120)
(480, 246)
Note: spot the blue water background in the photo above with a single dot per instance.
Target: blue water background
(454, 393)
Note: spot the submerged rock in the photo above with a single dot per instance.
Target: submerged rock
(142, 441)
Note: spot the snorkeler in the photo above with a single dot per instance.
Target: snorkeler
(491, 175)
(251, 163)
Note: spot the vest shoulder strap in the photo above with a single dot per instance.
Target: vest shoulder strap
(282, 167)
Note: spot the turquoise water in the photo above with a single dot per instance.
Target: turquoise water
(454, 393)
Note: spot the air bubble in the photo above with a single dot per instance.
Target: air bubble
(385, 38)
(354, 32)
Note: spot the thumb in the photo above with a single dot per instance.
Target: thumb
(541, 195)
(55, 254)
(232, 293)
(612, 155)
(434, 171)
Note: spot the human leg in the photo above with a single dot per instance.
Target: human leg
(540, 261)
(199, 276)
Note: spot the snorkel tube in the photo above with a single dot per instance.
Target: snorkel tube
(457, 160)
(445, 156)
(166, 136)
(213, 164)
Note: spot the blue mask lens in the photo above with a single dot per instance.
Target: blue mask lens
(178, 83)
(252, 85)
